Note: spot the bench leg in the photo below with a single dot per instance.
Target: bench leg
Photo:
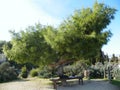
(55, 85)
(80, 81)
(64, 83)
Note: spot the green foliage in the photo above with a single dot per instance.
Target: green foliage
(82, 35)
(75, 69)
(34, 72)
(116, 72)
(97, 70)
(24, 73)
(45, 72)
(96, 73)
(114, 59)
(7, 73)
(30, 47)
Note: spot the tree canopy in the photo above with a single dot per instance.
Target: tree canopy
(30, 46)
(82, 35)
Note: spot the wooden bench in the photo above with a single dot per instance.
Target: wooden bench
(55, 80)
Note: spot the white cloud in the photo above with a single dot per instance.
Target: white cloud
(18, 14)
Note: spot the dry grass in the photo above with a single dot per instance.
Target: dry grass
(27, 84)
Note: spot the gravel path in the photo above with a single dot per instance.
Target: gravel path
(91, 85)
(32, 84)
(41, 85)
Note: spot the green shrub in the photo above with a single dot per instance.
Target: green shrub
(97, 70)
(34, 72)
(116, 73)
(76, 68)
(24, 73)
(96, 73)
(45, 72)
(7, 72)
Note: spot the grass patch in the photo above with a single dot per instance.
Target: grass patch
(116, 82)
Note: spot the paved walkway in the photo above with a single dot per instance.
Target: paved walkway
(91, 85)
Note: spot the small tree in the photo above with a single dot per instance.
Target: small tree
(34, 72)
(24, 72)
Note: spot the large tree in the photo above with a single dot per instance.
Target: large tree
(83, 34)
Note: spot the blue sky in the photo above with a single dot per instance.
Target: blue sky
(18, 14)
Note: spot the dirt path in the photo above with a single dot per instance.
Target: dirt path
(29, 84)
(38, 84)
(91, 85)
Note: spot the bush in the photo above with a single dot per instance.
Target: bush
(96, 73)
(24, 73)
(116, 73)
(97, 70)
(34, 72)
(76, 68)
(7, 72)
(45, 72)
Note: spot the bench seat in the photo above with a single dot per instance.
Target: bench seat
(55, 80)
